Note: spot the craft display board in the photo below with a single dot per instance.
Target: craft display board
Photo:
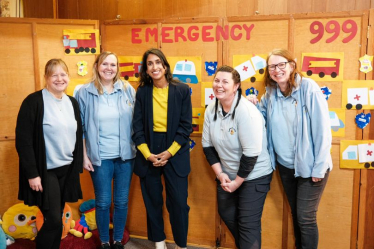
(131, 41)
(25, 46)
(238, 42)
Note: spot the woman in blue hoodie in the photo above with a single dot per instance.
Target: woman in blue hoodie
(107, 106)
(299, 140)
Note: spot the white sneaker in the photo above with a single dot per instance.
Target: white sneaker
(160, 245)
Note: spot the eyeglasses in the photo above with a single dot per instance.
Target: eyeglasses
(281, 65)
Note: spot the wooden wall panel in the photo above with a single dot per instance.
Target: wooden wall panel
(145, 9)
(38, 8)
(242, 7)
(16, 57)
(9, 172)
(68, 9)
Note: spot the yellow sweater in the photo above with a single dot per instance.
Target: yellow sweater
(160, 116)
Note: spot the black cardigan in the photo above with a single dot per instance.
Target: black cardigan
(179, 126)
(30, 146)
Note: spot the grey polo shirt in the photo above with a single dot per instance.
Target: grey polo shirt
(231, 138)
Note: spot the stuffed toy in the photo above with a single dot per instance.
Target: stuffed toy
(87, 221)
(19, 221)
(5, 240)
(67, 218)
(2, 238)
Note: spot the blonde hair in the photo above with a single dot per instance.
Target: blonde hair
(291, 59)
(96, 76)
(51, 66)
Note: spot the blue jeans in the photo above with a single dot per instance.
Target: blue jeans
(121, 173)
(303, 196)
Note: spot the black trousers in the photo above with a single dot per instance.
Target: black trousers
(303, 196)
(49, 236)
(242, 210)
(176, 198)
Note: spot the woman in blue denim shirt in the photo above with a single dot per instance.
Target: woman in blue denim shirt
(107, 106)
(299, 140)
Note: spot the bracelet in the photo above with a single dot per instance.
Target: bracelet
(219, 174)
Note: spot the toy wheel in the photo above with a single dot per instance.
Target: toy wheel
(93, 50)
(81, 49)
(358, 107)
(87, 50)
(367, 165)
(126, 77)
(76, 51)
(67, 51)
(261, 71)
(309, 72)
(333, 75)
(137, 75)
(253, 79)
(349, 106)
(321, 74)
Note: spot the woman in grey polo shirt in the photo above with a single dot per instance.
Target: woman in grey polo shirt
(235, 145)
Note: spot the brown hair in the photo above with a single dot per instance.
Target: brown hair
(95, 74)
(291, 59)
(236, 78)
(51, 66)
(144, 78)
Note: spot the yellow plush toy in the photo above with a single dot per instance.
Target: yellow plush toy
(19, 221)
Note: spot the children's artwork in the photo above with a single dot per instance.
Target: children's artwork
(81, 41)
(210, 67)
(74, 86)
(362, 120)
(323, 66)
(326, 91)
(358, 94)
(337, 121)
(251, 91)
(357, 154)
(129, 67)
(198, 119)
(186, 69)
(192, 144)
(207, 91)
(82, 68)
(250, 67)
(366, 61)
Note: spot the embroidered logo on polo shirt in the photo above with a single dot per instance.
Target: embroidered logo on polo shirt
(232, 131)
(128, 102)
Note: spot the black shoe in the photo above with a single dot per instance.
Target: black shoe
(105, 246)
(118, 245)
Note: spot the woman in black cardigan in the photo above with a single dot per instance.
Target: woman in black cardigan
(49, 145)
(162, 125)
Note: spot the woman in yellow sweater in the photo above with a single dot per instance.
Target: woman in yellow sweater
(162, 124)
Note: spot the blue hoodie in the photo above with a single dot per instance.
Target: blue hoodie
(313, 130)
(88, 99)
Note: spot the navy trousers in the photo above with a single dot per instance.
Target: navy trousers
(176, 198)
(242, 210)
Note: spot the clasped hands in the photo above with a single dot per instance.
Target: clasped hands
(159, 160)
(230, 185)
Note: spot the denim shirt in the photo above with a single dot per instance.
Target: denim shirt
(313, 130)
(88, 99)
